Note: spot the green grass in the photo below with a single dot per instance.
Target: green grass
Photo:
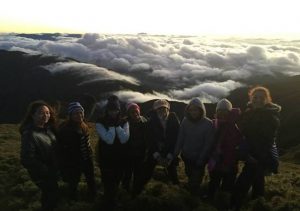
(17, 192)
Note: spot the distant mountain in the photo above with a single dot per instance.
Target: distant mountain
(47, 36)
(25, 78)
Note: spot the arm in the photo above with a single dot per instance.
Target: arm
(208, 144)
(180, 139)
(123, 133)
(35, 167)
(108, 136)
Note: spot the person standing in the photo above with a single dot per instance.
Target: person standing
(113, 132)
(75, 152)
(195, 141)
(38, 142)
(137, 150)
(259, 124)
(162, 131)
(223, 163)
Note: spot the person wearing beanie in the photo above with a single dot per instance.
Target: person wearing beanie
(112, 150)
(137, 150)
(223, 163)
(162, 130)
(194, 143)
(75, 152)
(259, 124)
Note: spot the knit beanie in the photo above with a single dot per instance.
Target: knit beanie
(224, 104)
(132, 106)
(113, 103)
(161, 103)
(74, 106)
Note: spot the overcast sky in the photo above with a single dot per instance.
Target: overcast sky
(184, 17)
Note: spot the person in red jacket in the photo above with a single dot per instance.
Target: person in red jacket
(223, 163)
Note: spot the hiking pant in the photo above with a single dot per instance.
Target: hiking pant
(195, 175)
(223, 180)
(71, 175)
(134, 168)
(49, 196)
(252, 175)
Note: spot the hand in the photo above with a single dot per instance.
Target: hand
(169, 158)
(156, 156)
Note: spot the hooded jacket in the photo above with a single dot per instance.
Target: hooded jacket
(260, 127)
(195, 138)
(227, 138)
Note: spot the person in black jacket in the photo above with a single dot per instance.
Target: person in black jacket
(113, 132)
(162, 131)
(259, 124)
(74, 151)
(38, 150)
(137, 150)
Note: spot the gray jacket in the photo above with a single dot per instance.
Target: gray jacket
(196, 137)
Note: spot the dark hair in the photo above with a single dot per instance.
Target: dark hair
(265, 90)
(32, 108)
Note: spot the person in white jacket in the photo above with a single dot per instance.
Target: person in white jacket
(113, 132)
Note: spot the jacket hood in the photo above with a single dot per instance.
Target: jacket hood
(196, 102)
(272, 107)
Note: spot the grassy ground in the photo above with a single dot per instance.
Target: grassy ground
(17, 192)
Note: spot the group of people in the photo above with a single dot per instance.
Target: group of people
(131, 146)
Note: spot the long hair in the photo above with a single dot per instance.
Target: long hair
(265, 90)
(83, 126)
(32, 108)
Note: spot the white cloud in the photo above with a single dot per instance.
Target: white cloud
(207, 91)
(180, 61)
(88, 72)
(137, 97)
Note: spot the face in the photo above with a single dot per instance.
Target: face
(41, 116)
(222, 114)
(77, 116)
(134, 114)
(113, 113)
(259, 99)
(194, 112)
(162, 112)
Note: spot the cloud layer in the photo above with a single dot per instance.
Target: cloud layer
(183, 67)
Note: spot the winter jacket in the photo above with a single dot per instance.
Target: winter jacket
(73, 145)
(113, 142)
(195, 139)
(227, 139)
(38, 153)
(260, 127)
(137, 138)
(159, 139)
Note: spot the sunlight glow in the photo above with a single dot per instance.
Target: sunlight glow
(188, 17)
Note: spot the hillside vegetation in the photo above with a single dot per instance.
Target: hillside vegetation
(17, 192)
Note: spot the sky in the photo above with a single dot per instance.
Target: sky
(169, 17)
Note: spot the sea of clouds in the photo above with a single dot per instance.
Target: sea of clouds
(181, 66)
